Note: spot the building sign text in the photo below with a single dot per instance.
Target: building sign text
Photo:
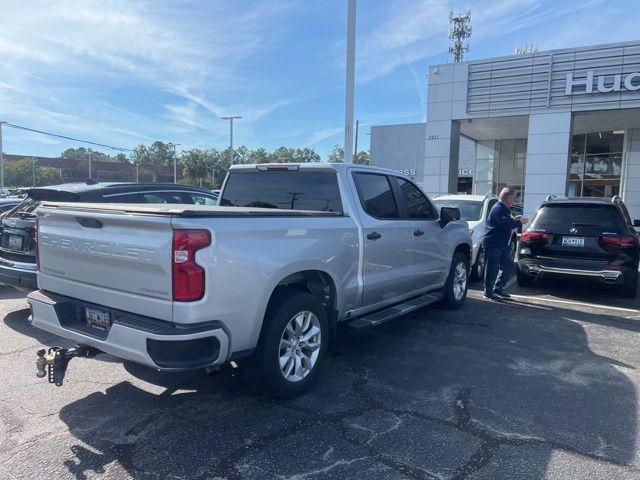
(630, 82)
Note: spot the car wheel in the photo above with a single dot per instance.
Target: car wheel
(524, 279)
(455, 290)
(630, 286)
(477, 272)
(292, 346)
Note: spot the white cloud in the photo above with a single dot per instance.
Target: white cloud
(61, 61)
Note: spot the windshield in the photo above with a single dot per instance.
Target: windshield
(470, 210)
(586, 219)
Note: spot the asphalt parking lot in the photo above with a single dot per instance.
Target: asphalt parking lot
(544, 386)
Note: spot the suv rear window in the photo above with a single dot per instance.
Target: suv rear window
(588, 219)
(316, 191)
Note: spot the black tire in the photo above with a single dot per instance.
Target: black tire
(477, 271)
(524, 279)
(450, 299)
(262, 369)
(630, 286)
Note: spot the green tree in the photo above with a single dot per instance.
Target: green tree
(196, 165)
(20, 174)
(161, 153)
(83, 153)
(337, 156)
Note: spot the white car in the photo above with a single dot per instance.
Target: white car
(475, 210)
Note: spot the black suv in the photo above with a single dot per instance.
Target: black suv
(590, 238)
(17, 226)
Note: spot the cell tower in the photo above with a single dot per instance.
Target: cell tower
(459, 29)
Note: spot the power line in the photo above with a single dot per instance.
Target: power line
(21, 127)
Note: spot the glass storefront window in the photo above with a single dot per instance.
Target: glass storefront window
(595, 165)
(500, 163)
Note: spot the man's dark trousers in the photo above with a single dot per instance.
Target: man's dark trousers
(498, 269)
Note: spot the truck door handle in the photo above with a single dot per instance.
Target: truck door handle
(374, 236)
(418, 233)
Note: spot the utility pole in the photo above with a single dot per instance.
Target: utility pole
(1, 161)
(350, 82)
(459, 29)
(231, 119)
(175, 163)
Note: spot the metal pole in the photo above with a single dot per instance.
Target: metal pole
(89, 164)
(1, 161)
(33, 170)
(231, 119)
(231, 139)
(175, 170)
(350, 83)
(137, 173)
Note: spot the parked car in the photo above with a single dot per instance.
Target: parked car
(475, 210)
(589, 238)
(266, 277)
(17, 227)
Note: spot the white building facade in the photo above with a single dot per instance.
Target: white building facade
(563, 122)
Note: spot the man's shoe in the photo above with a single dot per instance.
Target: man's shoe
(491, 296)
(503, 295)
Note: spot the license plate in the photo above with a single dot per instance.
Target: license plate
(98, 318)
(573, 241)
(15, 242)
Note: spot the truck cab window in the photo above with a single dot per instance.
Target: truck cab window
(376, 195)
(418, 205)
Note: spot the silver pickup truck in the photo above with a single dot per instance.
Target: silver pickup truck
(265, 277)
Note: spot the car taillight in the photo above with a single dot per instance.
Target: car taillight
(188, 276)
(36, 242)
(532, 237)
(618, 243)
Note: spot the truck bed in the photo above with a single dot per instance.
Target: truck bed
(185, 210)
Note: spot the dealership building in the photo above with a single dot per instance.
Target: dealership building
(562, 122)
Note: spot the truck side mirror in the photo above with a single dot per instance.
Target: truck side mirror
(636, 223)
(449, 214)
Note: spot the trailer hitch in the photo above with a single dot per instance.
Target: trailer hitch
(53, 363)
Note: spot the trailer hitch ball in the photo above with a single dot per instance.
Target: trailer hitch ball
(41, 364)
(53, 363)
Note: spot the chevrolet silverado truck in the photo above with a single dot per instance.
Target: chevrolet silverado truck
(264, 278)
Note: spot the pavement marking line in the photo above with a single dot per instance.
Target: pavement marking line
(576, 302)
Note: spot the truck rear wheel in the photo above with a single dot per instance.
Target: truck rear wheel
(292, 346)
(455, 290)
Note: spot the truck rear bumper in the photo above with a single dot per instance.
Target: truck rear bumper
(155, 343)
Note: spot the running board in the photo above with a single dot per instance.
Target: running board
(390, 313)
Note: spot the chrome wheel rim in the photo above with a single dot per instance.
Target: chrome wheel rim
(299, 346)
(459, 281)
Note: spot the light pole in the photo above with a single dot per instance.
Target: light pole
(89, 150)
(33, 171)
(231, 119)
(175, 163)
(350, 83)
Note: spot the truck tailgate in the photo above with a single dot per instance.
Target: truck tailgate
(117, 259)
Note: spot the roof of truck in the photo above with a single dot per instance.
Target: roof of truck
(310, 166)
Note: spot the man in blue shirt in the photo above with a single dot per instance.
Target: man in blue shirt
(496, 239)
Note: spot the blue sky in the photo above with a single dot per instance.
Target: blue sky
(124, 72)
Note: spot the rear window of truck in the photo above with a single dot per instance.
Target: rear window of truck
(589, 219)
(297, 190)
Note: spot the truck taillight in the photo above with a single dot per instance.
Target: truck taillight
(37, 229)
(188, 276)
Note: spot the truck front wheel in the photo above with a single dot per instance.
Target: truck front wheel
(455, 290)
(292, 346)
